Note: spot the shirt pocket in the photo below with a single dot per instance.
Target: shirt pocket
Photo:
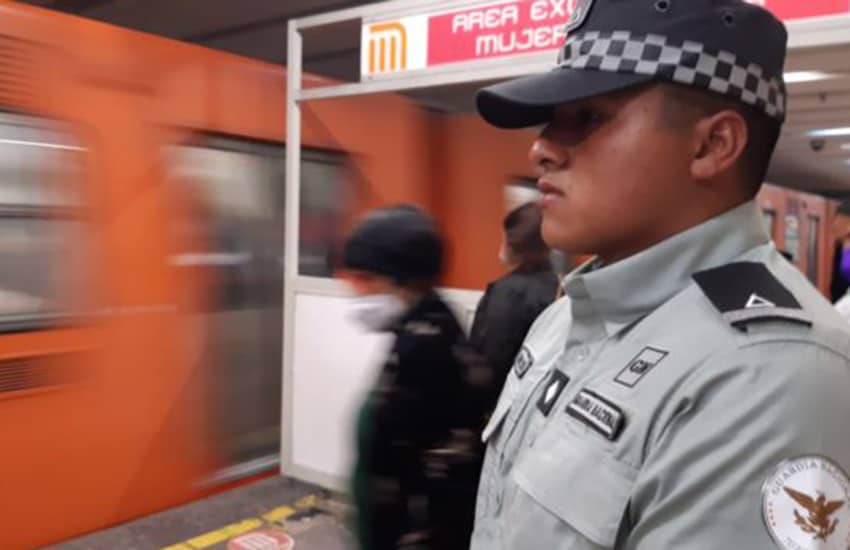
(578, 481)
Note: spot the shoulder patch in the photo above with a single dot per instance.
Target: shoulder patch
(554, 388)
(747, 292)
(524, 360)
(640, 365)
(806, 504)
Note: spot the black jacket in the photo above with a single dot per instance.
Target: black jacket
(416, 473)
(506, 311)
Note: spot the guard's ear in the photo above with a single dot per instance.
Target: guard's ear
(719, 142)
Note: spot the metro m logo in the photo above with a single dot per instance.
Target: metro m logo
(387, 47)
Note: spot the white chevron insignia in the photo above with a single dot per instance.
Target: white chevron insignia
(757, 301)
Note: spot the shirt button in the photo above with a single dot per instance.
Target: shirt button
(583, 353)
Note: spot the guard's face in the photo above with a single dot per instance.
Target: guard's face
(611, 171)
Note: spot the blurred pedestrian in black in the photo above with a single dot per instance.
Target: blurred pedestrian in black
(418, 459)
(511, 304)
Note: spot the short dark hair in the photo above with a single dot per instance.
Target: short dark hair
(763, 130)
(522, 233)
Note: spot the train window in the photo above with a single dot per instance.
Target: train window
(813, 257)
(233, 186)
(324, 193)
(248, 182)
(41, 225)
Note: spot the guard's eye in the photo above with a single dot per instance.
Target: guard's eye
(587, 117)
(578, 123)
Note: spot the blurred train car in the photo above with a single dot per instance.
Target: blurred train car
(141, 238)
(141, 256)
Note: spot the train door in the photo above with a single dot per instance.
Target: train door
(232, 237)
(237, 241)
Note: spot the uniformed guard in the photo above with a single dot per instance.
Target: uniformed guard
(692, 389)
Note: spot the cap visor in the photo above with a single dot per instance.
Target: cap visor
(529, 101)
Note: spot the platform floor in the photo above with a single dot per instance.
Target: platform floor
(312, 518)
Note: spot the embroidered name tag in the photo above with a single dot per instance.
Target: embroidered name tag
(598, 413)
(639, 366)
(524, 360)
(557, 382)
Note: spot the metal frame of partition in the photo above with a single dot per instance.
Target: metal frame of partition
(816, 32)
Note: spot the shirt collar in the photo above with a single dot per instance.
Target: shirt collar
(621, 293)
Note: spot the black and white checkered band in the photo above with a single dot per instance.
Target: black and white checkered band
(689, 63)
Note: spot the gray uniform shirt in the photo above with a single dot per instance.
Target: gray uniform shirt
(693, 396)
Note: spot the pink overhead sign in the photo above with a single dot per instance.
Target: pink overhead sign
(513, 28)
(800, 9)
(503, 29)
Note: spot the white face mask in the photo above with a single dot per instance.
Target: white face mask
(377, 312)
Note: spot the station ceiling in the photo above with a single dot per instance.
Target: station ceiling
(257, 28)
(253, 28)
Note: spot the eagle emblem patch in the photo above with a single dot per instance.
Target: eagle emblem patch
(806, 505)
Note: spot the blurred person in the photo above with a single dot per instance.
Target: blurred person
(690, 390)
(840, 276)
(840, 269)
(418, 456)
(512, 303)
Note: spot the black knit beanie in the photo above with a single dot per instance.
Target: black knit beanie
(400, 242)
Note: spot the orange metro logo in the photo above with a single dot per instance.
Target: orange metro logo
(387, 47)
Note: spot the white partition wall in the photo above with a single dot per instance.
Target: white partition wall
(327, 361)
(333, 363)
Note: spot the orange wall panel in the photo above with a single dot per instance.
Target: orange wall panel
(477, 162)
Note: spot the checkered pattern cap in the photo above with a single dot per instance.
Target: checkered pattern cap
(728, 47)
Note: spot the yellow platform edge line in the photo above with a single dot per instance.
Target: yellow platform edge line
(235, 529)
(221, 535)
(278, 514)
(308, 501)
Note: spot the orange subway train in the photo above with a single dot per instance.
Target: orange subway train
(142, 204)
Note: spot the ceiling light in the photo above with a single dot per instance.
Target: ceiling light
(830, 132)
(796, 77)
